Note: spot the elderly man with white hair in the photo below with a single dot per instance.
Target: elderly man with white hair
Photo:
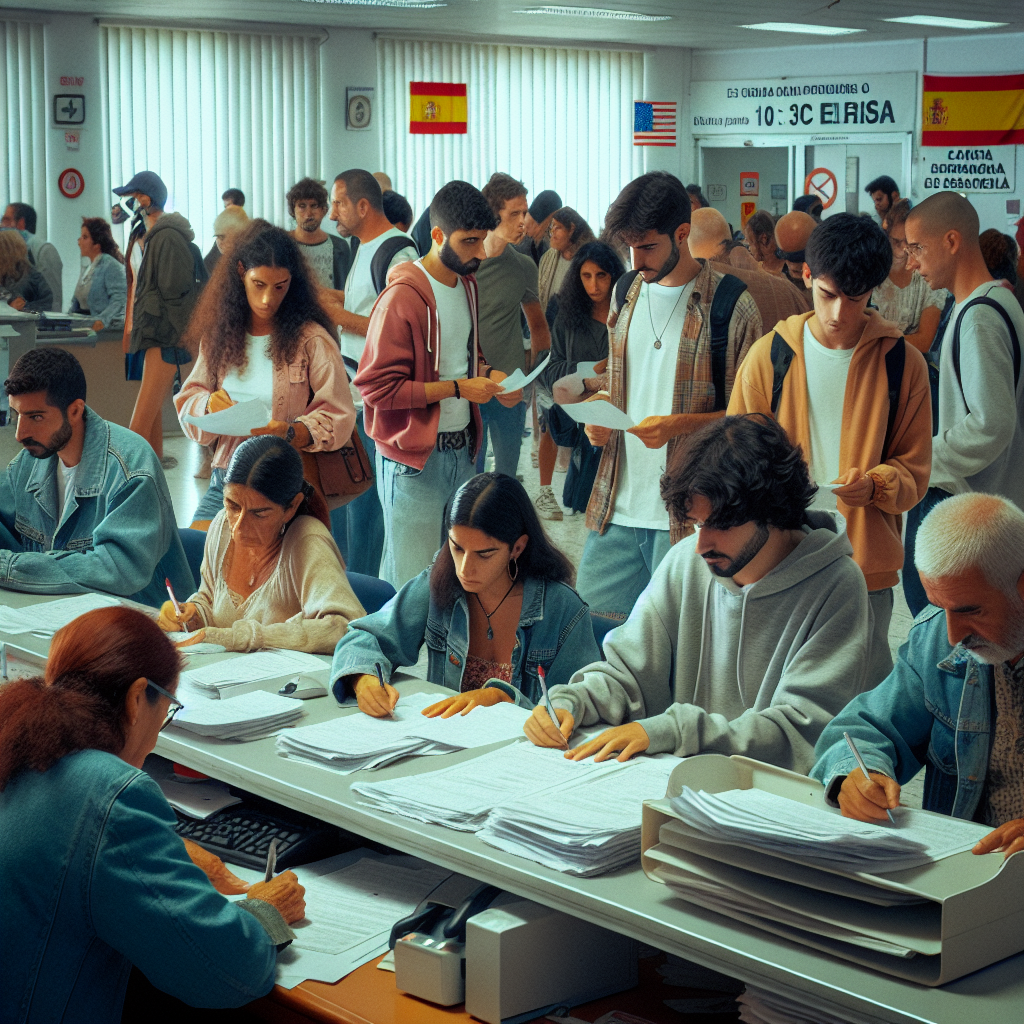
(954, 703)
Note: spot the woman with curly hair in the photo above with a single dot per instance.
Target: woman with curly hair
(102, 289)
(262, 334)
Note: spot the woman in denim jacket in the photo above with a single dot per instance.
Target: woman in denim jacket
(102, 289)
(496, 606)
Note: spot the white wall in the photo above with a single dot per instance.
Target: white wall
(667, 77)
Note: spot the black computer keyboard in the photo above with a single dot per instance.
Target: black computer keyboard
(242, 835)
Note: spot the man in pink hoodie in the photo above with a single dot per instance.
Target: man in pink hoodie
(422, 379)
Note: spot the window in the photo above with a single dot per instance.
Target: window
(208, 111)
(23, 106)
(554, 118)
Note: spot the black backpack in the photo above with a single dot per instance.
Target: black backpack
(895, 361)
(727, 294)
(199, 271)
(382, 258)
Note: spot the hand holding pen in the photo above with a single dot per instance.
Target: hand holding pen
(867, 797)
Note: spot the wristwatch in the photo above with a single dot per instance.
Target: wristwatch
(289, 434)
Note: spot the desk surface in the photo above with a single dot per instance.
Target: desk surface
(625, 901)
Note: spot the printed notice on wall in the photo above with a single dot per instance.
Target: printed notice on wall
(788, 106)
(981, 169)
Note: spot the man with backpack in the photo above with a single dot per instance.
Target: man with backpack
(849, 390)
(357, 205)
(979, 439)
(678, 331)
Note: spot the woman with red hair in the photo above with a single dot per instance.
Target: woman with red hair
(95, 877)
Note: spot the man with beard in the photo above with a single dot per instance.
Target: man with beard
(954, 703)
(667, 373)
(85, 506)
(422, 380)
(329, 256)
(752, 633)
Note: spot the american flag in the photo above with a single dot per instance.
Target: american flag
(654, 124)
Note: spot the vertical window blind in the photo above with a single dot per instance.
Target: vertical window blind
(553, 117)
(208, 111)
(23, 102)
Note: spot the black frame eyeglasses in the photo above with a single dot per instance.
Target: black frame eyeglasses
(175, 707)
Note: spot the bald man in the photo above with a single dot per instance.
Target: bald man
(791, 234)
(384, 181)
(709, 231)
(979, 445)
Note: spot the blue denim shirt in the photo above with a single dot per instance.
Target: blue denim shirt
(934, 709)
(554, 631)
(108, 292)
(116, 535)
(95, 880)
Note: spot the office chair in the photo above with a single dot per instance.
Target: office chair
(193, 541)
(601, 624)
(373, 593)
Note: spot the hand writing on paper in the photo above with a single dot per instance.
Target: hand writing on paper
(541, 731)
(219, 401)
(283, 892)
(855, 488)
(171, 623)
(219, 874)
(373, 699)
(867, 799)
(1009, 837)
(465, 702)
(624, 740)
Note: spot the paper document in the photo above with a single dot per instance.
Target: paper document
(585, 370)
(517, 379)
(600, 413)
(46, 618)
(247, 716)
(236, 421)
(221, 676)
(197, 799)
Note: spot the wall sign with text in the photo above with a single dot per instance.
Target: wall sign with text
(788, 106)
(968, 168)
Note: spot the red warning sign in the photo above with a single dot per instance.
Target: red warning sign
(821, 182)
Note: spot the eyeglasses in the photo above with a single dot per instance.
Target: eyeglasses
(913, 249)
(175, 707)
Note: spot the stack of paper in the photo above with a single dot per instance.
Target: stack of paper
(248, 716)
(797, 831)
(223, 678)
(45, 618)
(759, 1006)
(587, 825)
(359, 741)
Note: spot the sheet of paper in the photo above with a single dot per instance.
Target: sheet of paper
(480, 727)
(517, 379)
(252, 667)
(600, 413)
(585, 370)
(46, 618)
(236, 421)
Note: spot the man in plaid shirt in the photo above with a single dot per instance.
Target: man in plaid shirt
(660, 373)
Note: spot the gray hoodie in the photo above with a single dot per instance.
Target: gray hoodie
(708, 666)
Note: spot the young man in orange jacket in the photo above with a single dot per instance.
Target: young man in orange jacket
(847, 388)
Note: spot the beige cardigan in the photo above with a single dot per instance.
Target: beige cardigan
(305, 605)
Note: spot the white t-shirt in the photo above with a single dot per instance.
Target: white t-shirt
(827, 370)
(65, 486)
(257, 379)
(320, 258)
(456, 323)
(650, 383)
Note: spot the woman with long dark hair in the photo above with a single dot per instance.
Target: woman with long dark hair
(102, 289)
(496, 606)
(95, 877)
(262, 334)
(272, 575)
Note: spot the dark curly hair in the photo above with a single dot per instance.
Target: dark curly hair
(748, 470)
(306, 188)
(656, 201)
(222, 315)
(579, 229)
(500, 189)
(99, 232)
(854, 252)
(575, 307)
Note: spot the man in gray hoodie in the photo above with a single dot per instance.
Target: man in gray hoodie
(753, 632)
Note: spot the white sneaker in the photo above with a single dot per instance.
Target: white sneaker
(547, 505)
(562, 461)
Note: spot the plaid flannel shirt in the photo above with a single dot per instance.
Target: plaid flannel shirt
(694, 390)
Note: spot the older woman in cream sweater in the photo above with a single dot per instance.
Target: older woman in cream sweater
(272, 575)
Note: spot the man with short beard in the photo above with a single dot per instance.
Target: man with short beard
(422, 380)
(753, 632)
(85, 506)
(954, 703)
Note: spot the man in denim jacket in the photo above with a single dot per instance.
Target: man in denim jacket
(955, 700)
(86, 506)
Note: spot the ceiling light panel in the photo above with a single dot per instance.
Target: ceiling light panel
(408, 5)
(802, 28)
(936, 22)
(594, 12)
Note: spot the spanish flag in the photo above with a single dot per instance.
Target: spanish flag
(973, 110)
(437, 108)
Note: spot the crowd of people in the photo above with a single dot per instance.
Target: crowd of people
(821, 408)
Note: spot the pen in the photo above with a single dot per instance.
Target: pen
(271, 861)
(174, 600)
(380, 678)
(547, 702)
(863, 767)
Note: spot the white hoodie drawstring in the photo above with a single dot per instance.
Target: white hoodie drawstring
(703, 637)
(739, 648)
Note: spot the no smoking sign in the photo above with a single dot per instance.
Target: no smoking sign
(71, 183)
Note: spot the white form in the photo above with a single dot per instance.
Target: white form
(600, 413)
(237, 420)
(46, 618)
(252, 667)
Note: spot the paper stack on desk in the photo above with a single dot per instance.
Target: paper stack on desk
(759, 1006)
(45, 618)
(223, 677)
(354, 742)
(248, 716)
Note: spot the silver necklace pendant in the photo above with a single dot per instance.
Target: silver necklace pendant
(657, 343)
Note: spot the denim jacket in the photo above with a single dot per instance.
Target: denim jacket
(933, 709)
(95, 880)
(108, 292)
(117, 532)
(554, 631)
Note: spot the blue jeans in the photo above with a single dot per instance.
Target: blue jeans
(505, 429)
(616, 567)
(213, 500)
(358, 527)
(413, 502)
(912, 589)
